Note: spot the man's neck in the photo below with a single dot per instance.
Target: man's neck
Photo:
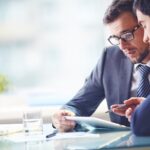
(146, 60)
(145, 57)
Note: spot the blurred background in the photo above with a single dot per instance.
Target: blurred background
(47, 49)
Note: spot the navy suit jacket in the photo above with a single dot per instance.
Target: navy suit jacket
(110, 79)
(140, 122)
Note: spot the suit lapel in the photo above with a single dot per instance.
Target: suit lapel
(126, 69)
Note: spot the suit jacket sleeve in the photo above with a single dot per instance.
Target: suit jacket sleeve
(140, 121)
(110, 79)
(85, 102)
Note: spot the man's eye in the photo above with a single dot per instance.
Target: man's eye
(127, 36)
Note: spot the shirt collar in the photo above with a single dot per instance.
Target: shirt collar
(137, 64)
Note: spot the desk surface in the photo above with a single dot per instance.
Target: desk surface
(73, 141)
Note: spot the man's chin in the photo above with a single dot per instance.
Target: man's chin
(133, 60)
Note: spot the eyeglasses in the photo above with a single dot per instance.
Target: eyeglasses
(127, 36)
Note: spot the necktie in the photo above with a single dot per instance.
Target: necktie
(143, 89)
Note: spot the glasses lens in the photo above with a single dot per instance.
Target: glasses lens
(127, 36)
(114, 40)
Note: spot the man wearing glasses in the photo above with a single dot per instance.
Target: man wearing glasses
(115, 76)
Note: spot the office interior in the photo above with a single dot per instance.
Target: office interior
(47, 49)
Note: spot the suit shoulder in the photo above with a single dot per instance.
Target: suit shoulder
(114, 51)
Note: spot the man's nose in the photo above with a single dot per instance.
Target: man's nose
(145, 38)
(123, 44)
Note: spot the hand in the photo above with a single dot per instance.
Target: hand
(59, 121)
(131, 103)
(119, 109)
(136, 101)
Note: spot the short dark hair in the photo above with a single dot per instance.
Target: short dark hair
(143, 6)
(116, 8)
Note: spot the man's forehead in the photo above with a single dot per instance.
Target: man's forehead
(122, 25)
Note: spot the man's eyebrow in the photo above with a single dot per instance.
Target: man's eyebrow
(124, 31)
(127, 30)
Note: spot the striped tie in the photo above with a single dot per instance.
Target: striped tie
(143, 89)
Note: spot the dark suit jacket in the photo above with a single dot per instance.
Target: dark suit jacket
(110, 79)
(140, 123)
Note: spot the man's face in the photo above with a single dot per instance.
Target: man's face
(144, 20)
(134, 48)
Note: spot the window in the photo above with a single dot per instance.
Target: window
(48, 47)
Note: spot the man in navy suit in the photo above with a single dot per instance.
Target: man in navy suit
(140, 123)
(114, 76)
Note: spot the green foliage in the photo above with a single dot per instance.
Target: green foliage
(3, 83)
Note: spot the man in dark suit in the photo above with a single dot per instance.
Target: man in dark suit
(140, 123)
(114, 76)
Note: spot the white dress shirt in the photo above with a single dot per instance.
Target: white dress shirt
(136, 79)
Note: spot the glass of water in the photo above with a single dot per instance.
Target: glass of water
(32, 122)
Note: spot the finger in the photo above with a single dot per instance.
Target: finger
(67, 113)
(114, 106)
(59, 121)
(67, 122)
(66, 126)
(129, 118)
(128, 112)
(134, 100)
(118, 112)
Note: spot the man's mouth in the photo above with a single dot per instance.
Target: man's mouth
(131, 51)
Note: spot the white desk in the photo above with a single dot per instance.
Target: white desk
(100, 140)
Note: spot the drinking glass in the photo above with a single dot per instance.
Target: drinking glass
(32, 122)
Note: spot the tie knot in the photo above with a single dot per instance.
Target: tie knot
(144, 70)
